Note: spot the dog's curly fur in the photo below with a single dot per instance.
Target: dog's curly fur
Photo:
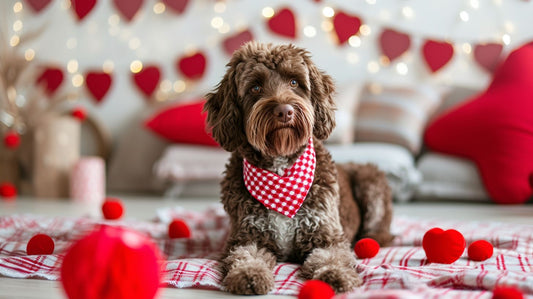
(270, 102)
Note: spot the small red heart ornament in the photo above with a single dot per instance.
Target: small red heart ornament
(437, 54)
(82, 7)
(177, 6)
(38, 5)
(393, 43)
(345, 26)
(234, 42)
(128, 8)
(51, 78)
(193, 66)
(98, 84)
(283, 23)
(444, 247)
(147, 79)
(488, 55)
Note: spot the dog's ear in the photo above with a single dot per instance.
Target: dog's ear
(223, 116)
(322, 91)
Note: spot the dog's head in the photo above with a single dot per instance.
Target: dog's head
(273, 98)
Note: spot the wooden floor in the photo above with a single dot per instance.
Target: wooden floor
(144, 208)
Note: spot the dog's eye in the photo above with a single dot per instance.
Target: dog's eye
(256, 89)
(293, 83)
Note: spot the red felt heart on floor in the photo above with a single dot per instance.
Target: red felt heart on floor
(177, 6)
(437, 54)
(147, 79)
(234, 42)
(283, 23)
(38, 5)
(128, 8)
(192, 66)
(82, 7)
(393, 43)
(488, 55)
(345, 26)
(51, 78)
(443, 247)
(98, 84)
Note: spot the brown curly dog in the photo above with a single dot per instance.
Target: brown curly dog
(272, 110)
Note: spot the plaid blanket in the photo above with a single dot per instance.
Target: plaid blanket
(398, 271)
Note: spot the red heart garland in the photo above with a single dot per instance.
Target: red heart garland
(82, 7)
(38, 5)
(234, 42)
(51, 78)
(488, 55)
(147, 79)
(345, 26)
(443, 247)
(98, 84)
(177, 6)
(437, 54)
(128, 8)
(393, 43)
(283, 23)
(193, 66)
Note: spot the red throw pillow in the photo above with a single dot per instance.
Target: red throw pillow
(183, 123)
(495, 130)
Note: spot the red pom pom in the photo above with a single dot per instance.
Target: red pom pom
(40, 244)
(79, 113)
(112, 208)
(112, 262)
(8, 191)
(443, 247)
(178, 229)
(506, 293)
(12, 139)
(480, 250)
(316, 289)
(366, 248)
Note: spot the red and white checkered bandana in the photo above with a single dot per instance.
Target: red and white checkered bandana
(283, 194)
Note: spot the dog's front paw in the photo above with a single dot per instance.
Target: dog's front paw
(249, 281)
(340, 279)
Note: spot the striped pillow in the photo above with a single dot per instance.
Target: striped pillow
(395, 115)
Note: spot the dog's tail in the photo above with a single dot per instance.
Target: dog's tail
(373, 197)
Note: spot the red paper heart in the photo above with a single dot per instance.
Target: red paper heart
(38, 5)
(488, 55)
(82, 7)
(437, 54)
(147, 79)
(393, 43)
(98, 84)
(283, 23)
(345, 26)
(443, 247)
(128, 8)
(193, 66)
(234, 42)
(177, 6)
(51, 78)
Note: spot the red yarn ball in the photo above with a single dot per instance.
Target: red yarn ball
(506, 293)
(8, 191)
(40, 244)
(79, 113)
(178, 229)
(366, 248)
(12, 139)
(316, 289)
(112, 208)
(112, 263)
(480, 250)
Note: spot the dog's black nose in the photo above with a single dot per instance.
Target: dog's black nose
(284, 112)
